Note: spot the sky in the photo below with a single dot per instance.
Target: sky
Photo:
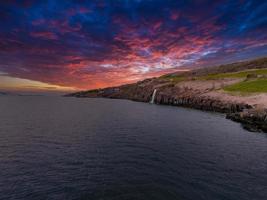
(78, 45)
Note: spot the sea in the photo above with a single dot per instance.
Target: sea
(59, 148)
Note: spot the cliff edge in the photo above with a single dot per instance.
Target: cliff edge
(238, 89)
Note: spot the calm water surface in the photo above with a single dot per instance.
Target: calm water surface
(68, 148)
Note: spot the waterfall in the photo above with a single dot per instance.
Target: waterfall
(153, 96)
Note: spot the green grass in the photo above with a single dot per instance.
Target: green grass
(241, 74)
(259, 85)
(173, 78)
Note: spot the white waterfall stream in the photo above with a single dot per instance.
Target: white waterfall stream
(153, 96)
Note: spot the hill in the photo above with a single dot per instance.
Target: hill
(238, 89)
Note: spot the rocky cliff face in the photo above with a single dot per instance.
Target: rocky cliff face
(170, 94)
(193, 93)
(251, 119)
(167, 94)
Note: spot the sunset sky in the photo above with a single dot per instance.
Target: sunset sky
(65, 45)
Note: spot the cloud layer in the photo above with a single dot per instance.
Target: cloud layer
(90, 44)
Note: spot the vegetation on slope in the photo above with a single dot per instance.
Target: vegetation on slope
(173, 78)
(241, 74)
(234, 70)
(253, 72)
(259, 63)
(253, 86)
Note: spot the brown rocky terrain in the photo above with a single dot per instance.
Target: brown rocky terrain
(198, 89)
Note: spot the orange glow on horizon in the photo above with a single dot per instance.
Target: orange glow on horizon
(18, 84)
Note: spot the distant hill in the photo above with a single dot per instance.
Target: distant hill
(3, 93)
(238, 70)
(259, 63)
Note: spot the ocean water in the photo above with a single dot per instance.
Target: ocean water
(70, 148)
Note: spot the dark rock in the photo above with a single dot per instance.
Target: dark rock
(168, 94)
(251, 119)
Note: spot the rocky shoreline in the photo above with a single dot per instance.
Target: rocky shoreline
(251, 119)
(166, 94)
(201, 89)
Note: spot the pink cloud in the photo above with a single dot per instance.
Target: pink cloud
(44, 35)
(174, 15)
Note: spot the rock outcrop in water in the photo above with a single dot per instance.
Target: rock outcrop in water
(251, 119)
(192, 92)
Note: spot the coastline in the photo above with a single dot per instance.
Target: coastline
(251, 118)
(202, 89)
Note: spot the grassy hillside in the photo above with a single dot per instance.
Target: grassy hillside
(260, 63)
(241, 74)
(259, 85)
(252, 75)
(173, 78)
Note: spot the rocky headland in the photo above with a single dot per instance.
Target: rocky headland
(239, 90)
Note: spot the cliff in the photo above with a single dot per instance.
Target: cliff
(238, 89)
